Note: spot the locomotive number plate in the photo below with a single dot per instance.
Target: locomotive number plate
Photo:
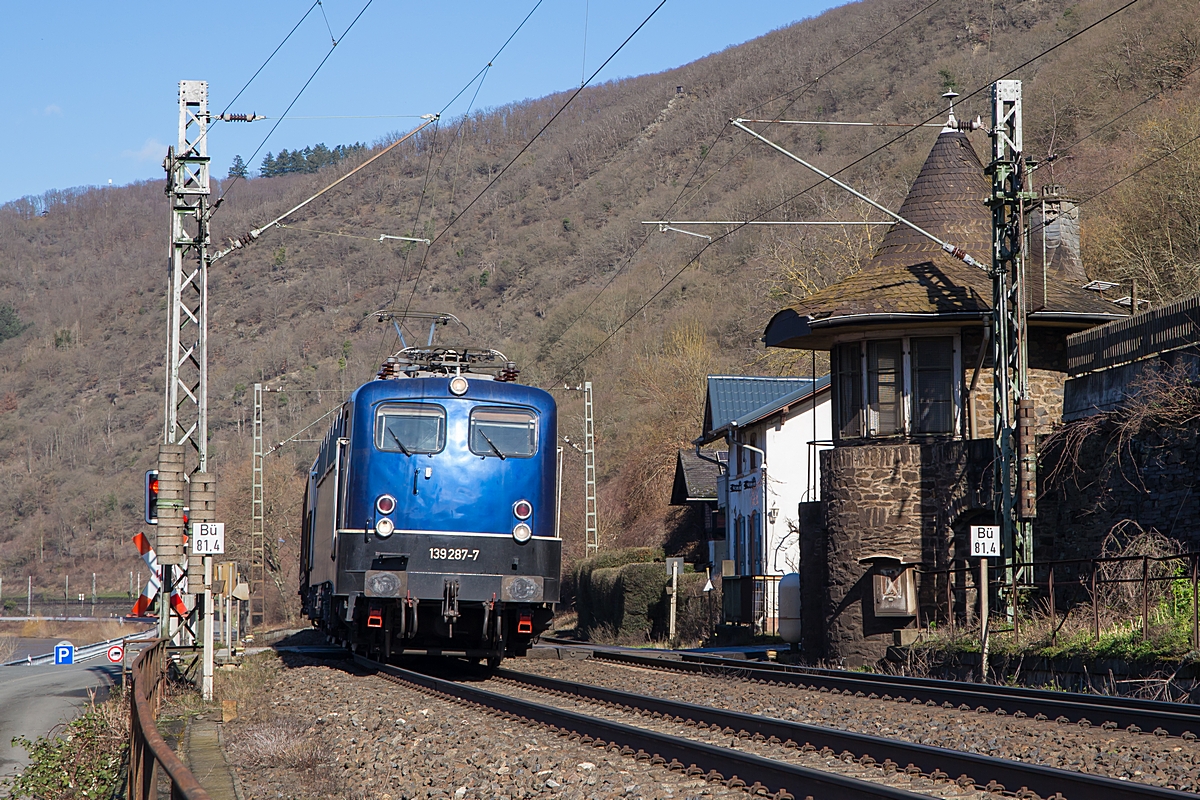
(453, 554)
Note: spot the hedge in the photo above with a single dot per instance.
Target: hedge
(623, 595)
(586, 603)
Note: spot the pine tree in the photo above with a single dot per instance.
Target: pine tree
(238, 168)
(267, 168)
(10, 323)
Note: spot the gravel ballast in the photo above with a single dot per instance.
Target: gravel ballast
(326, 731)
(1169, 762)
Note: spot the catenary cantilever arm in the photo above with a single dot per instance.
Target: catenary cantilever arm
(961, 255)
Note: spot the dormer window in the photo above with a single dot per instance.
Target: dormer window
(909, 385)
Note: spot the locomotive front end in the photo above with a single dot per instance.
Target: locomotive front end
(446, 541)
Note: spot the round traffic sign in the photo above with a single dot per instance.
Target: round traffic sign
(116, 654)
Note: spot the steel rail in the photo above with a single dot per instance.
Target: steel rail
(1136, 716)
(147, 748)
(983, 771)
(785, 780)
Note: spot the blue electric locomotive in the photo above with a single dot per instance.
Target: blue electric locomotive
(430, 522)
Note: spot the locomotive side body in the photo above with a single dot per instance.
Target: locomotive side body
(430, 518)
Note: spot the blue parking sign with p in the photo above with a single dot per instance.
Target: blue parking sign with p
(64, 653)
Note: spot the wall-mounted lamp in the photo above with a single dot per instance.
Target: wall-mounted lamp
(772, 514)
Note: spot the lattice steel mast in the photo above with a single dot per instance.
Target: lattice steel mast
(258, 553)
(591, 534)
(185, 428)
(1015, 478)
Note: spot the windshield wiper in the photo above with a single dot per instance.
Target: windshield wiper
(492, 445)
(399, 443)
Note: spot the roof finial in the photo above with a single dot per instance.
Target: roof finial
(951, 123)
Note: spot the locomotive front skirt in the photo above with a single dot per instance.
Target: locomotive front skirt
(431, 520)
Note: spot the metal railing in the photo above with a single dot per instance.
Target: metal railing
(1160, 330)
(148, 751)
(1069, 584)
(81, 654)
(751, 600)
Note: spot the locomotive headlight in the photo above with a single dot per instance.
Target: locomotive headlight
(458, 385)
(522, 532)
(385, 504)
(522, 509)
(384, 528)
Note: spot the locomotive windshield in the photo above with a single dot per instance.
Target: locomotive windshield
(410, 428)
(503, 432)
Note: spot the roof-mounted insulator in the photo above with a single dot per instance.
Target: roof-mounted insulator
(391, 369)
(509, 373)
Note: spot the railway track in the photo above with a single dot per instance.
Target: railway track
(1131, 714)
(678, 746)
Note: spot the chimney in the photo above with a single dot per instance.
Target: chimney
(1054, 237)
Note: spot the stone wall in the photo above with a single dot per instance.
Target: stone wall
(1153, 480)
(1047, 377)
(910, 501)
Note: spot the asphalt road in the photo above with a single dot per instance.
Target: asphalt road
(33, 700)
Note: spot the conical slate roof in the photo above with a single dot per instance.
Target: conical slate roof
(910, 275)
(946, 199)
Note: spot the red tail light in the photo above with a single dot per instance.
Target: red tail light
(525, 623)
(375, 618)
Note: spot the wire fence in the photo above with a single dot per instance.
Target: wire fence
(1145, 589)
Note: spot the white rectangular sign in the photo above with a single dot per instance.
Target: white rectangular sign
(985, 541)
(208, 538)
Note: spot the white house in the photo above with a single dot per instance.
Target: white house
(774, 428)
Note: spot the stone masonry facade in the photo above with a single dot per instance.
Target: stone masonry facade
(910, 501)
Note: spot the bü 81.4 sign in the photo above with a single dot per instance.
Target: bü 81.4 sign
(985, 541)
(208, 538)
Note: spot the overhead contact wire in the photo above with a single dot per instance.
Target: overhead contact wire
(236, 178)
(852, 164)
(528, 144)
(268, 61)
(478, 77)
(1141, 169)
(804, 89)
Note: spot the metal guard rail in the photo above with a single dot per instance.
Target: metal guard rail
(147, 748)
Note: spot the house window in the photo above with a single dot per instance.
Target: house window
(889, 387)
(847, 374)
(933, 385)
(885, 387)
(756, 543)
(753, 455)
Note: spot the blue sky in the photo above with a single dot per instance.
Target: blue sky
(89, 90)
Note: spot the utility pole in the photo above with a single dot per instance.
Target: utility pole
(1015, 479)
(591, 536)
(258, 553)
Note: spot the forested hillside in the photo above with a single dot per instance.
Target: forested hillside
(524, 264)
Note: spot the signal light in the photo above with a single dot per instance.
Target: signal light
(151, 497)
(522, 509)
